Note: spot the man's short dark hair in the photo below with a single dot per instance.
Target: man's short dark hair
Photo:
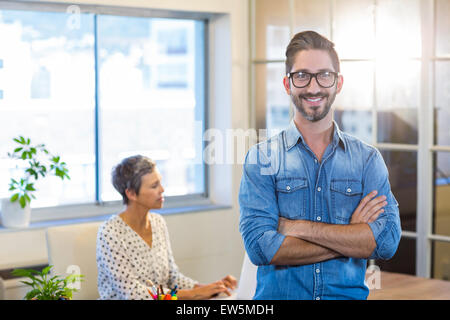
(129, 172)
(310, 40)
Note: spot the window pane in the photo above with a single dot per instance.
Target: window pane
(442, 100)
(398, 27)
(47, 83)
(312, 15)
(442, 193)
(402, 167)
(354, 33)
(357, 91)
(151, 98)
(271, 97)
(271, 29)
(442, 28)
(397, 126)
(398, 95)
(355, 122)
(441, 260)
(404, 260)
(398, 84)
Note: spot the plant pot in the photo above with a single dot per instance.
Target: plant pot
(13, 216)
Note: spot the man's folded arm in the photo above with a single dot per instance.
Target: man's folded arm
(259, 221)
(376, 240)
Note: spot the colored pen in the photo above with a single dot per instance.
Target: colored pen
(154, 297)
(174, 290)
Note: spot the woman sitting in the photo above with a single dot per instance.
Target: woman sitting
(134, 246)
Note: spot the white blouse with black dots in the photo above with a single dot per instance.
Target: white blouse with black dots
(125, 261)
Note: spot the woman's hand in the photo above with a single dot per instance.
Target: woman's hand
(203, 291)
(207, 291)
(230, 282)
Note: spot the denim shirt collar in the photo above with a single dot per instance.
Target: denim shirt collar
(293, 135)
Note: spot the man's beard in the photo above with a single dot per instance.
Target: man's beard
(316, 116)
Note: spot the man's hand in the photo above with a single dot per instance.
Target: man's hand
(369, 208)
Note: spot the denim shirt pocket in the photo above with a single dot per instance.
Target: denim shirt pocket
(345, 197)
(291, 194)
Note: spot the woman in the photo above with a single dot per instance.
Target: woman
(134, 246)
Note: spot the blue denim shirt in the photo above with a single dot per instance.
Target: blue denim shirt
(282, 177)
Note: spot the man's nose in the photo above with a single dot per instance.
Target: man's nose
(313, 86)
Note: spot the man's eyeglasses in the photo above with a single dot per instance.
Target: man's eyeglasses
(301, 79)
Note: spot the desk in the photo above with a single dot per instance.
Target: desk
(397, 286)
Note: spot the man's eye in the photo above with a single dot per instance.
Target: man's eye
(301, 75)
(325, 75)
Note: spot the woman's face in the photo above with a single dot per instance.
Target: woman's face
(151, 191)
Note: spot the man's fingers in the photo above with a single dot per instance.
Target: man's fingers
(380, 204)
(375, 216)
(365, 200)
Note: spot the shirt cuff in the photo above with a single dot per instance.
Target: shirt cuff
(269, 243)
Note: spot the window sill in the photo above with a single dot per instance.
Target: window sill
(113, 209)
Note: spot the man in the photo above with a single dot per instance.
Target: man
(315, 202)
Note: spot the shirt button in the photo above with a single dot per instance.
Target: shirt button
(318, 298)
(349, 190)
(288, 188)
(319, 218)
(317, 270)
(315, 160)
(319, 189)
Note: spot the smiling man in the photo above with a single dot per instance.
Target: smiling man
(315, 202)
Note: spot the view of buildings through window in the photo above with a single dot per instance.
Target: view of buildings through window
(149, 92)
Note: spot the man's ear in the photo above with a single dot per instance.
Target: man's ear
(340, 83)
(287, 85)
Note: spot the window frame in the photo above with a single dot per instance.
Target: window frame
(174, 204)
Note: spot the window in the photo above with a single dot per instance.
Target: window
(97, 87)
(395, 59)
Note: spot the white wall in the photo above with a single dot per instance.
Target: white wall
(207, 244)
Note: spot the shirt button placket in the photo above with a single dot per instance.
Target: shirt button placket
(317, 282)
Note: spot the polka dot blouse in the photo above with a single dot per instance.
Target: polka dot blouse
(125, 261)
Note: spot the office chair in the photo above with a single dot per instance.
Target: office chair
(247, 280)
(72, 249)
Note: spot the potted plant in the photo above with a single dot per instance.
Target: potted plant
(36, 162)
(44, 287)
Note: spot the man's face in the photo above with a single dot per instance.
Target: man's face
(313, 102)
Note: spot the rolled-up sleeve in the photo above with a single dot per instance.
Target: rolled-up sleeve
(387, 228)
(259, 211)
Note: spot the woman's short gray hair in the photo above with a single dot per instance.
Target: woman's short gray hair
(129, 172)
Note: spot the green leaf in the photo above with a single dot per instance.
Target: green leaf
(14, 197)
(28, 283)
(22, 202)
(30, 187)
(46, 269)
(21, 272)
(33, 293)
(18, 149)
